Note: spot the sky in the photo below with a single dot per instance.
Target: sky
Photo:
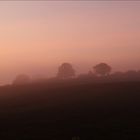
(37, 36)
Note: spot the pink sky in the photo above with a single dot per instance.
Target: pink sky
(36, 37)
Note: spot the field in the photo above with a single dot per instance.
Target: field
(62, 111)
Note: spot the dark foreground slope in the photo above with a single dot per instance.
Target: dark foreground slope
(61, 111)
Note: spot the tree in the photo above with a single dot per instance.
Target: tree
(22, 79)
(102, 69)
(131, 75)
(66, 71)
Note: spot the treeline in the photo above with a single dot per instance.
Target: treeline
(101, 72)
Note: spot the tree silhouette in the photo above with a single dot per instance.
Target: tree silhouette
(131, 73)
(22, 79)
(66, 71)
(102, 69)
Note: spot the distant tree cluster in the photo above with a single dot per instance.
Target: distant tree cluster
(99, 72)
(22, 79)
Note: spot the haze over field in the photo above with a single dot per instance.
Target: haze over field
(36, 37)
